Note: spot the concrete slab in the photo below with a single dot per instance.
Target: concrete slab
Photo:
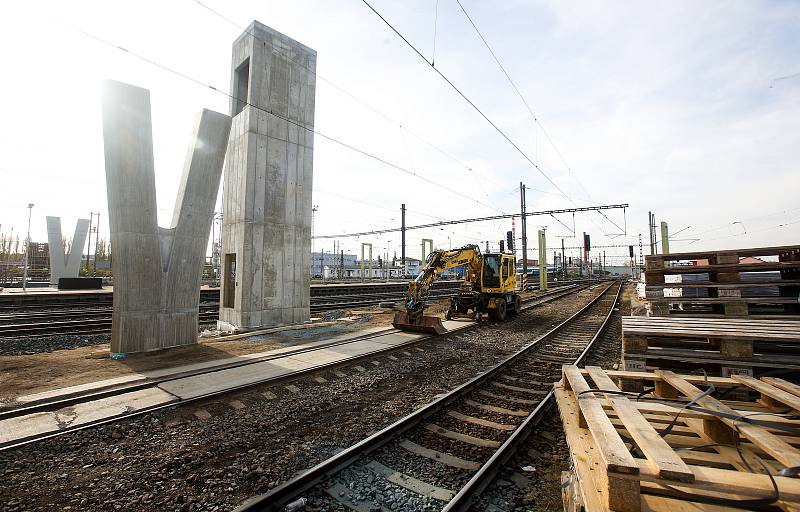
(58, 393)
(24, 427)
(116, 406)
(20, 428)
(187, 387)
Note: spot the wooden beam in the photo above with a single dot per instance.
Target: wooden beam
(779, 449)
(658, 452)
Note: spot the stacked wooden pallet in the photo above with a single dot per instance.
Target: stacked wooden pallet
(732, 283)
(729, 345)
(656, 453)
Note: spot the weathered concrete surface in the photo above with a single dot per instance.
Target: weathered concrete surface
(268, 177)
(157, 270)
(277, 364)
(65, 265)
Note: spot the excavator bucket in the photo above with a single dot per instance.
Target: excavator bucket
(427, 324)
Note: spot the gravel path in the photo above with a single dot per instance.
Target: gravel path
(213, 456)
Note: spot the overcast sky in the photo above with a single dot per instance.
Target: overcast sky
(668, 106)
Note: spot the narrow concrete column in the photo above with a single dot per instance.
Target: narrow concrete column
(157, 271)
(266, 234)
(65, 265)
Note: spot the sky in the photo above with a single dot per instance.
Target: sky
(673, 107)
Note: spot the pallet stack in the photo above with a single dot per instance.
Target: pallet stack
(679, 448)
(739, 282)
(721, 346)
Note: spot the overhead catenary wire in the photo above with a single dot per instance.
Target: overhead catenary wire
(535, 118)
(470, 102)
(284, 118)
(478, 219)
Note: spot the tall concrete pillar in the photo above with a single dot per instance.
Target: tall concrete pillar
(266, 236)
(157, 270)
(65, 265)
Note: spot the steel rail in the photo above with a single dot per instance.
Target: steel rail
(463, 500)
(275, 499)
(55, 405)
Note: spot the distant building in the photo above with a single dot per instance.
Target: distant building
(320, 260)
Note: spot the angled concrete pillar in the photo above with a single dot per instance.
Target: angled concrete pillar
(65, 265)
(266, 234)
(157, 270)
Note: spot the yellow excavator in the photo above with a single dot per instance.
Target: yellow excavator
(490, 287)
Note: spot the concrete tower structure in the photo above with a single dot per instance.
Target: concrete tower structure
(65, 265)
(266, 233)
(157, 270)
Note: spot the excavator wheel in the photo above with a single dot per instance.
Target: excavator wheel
(517, 306)
(500, 310)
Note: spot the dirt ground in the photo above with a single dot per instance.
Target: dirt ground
(26, 374)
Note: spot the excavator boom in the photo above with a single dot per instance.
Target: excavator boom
(412, 318)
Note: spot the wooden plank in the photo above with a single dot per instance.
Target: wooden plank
(615, 455)
(765, 389)
(706, 356)
(771, 283)
(780, 450)
(719, 382)
(657, 451)
(704, 255)
(787, 386)
(733, 482)
(770, 266)
(595, 483)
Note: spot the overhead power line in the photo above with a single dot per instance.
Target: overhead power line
(288, 120)
(469, 101)
(521, 97)
(478, 219)
(363, 103)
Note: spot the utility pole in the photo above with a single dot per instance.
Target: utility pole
(563, 260)
(313, 217)
(27, 250)
(89, 244)
(604, 260)
(641, 257)
(664, 238)
(651, 221)
(403, 237)
(524, 232)
(97, 239)
(542, 260)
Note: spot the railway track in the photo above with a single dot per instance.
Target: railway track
(442, 456)
(84, 399)
(96, 318)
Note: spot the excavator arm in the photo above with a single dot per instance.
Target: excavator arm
(413, 318)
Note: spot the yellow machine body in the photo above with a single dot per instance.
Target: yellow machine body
(490, 283)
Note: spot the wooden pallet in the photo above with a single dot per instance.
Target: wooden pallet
(732, 345)
(719, 282)
(622, 462)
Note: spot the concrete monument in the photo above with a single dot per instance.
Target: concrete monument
(157, 270)
(266, 233)
(65, 265)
